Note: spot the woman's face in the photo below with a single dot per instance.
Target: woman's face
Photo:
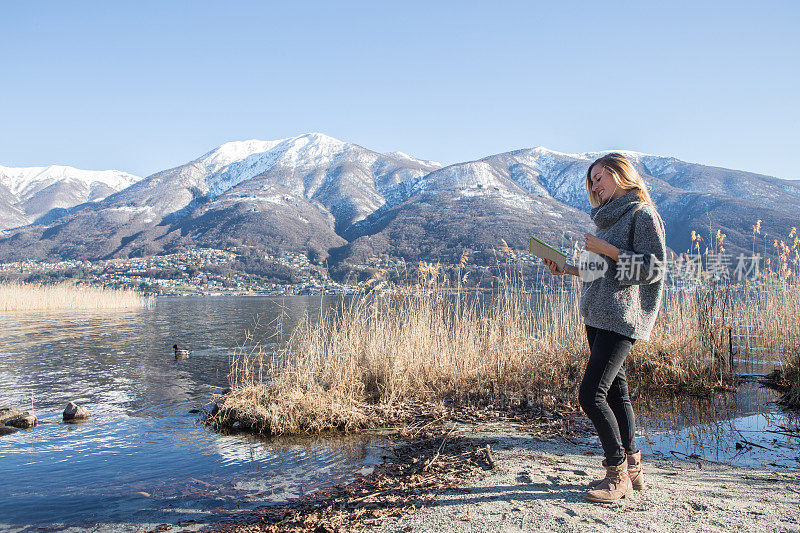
(603, 184)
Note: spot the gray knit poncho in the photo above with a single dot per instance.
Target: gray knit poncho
(627, 298)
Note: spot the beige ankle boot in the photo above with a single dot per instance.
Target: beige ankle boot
(634, 472)
(616, 485)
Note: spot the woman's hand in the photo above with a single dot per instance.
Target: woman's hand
(553, 266)
(599, 246)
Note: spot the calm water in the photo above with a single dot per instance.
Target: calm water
(144, 458)
(746, 428)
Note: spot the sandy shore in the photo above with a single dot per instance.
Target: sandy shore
(539, 486)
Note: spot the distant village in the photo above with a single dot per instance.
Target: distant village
(198, 271)
(209, 271)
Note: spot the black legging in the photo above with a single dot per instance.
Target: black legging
(604, 393)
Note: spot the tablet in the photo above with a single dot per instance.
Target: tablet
(542, 250)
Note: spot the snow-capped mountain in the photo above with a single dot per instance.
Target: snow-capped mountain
(256, 183)
(348, 180)
(314, 193)
(401, 156)
(27, 193)
(539, 191)
(307, 165)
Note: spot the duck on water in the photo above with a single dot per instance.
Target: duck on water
(180, 352)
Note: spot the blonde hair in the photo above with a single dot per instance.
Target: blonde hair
(625, 176)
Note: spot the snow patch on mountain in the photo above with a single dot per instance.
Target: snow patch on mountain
(401, 156)
(477, 174)
(312, 150)
(25, 181)
(547, 153)
(230, 152)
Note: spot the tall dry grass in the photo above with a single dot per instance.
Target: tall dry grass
(382, 352)
(779, 323)
(776, 331)
(717, 322)
(691, 347)
(385, 351)
(29, 297)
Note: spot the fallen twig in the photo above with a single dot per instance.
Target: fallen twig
(785, 433)
(695, 457)
(444, 439)
(748, 443)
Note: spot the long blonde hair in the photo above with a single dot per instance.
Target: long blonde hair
(625, 176)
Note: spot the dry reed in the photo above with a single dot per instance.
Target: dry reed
(354, 367)
(29, 297)
(775, 330)
(779, 320)
(432, 344)
(383, 352)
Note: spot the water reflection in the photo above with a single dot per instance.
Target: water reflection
(745, 428)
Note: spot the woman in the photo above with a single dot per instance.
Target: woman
(618, 308)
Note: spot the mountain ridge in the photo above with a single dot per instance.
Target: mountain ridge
(28, 194)
(331, 199)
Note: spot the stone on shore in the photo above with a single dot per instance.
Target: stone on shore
(23, 421)
(74, 411)
(9, 414)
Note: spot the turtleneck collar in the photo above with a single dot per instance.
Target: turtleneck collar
(607, 214)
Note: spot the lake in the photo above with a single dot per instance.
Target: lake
(144, 458)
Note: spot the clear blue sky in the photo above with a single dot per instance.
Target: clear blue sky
(142, 86)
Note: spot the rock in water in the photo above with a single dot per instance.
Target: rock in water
(74, 411)
(7, 431)
(23, 421)
(9, 414)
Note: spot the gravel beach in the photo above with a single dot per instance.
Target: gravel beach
(538, 485)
